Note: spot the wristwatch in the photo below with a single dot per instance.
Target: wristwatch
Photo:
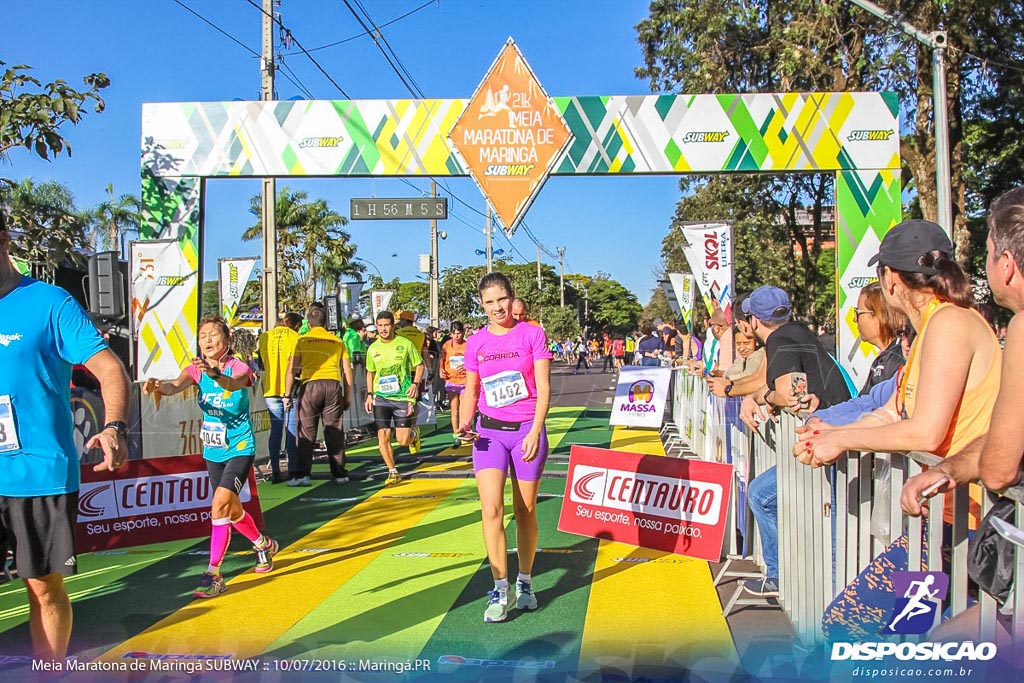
(728, 388)
(118, 426)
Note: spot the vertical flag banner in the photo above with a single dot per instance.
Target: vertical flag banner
(683, 286)
(640, 396)
(162, 282)
(710, 259)
(234, 274)
(379, 300)
(670, 294)
(350, 293)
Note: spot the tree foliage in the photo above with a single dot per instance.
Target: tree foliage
(50, 225)
(313, 249)
(31, 113)
(114, 216)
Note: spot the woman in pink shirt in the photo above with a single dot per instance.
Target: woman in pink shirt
(508, 379)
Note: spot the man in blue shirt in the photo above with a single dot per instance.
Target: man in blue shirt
(43, 333)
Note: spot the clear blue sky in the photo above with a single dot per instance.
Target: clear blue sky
(156, 51)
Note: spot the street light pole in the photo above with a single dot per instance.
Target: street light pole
(936, 40)
(490, 256)
(269, 187)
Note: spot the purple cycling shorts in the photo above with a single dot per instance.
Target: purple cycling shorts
(497, 449)
(454, 388)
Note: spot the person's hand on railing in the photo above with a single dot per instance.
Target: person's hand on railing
(754, 414)
(921, 487)
(806, 431)
(717, 385)
(820, 447)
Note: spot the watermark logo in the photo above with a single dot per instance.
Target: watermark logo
(921, 593)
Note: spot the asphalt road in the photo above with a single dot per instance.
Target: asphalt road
(593, 390)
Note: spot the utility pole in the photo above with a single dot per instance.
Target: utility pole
(538, 268)
(434, 269)
(490, 256)
(936, 40)
(269, 186)
(561, 276)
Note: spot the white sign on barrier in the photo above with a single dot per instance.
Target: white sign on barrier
(640, 396)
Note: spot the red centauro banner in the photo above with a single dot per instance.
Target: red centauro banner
(150, 501)
(672, 504)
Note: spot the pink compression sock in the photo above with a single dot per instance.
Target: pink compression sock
(247, 527)
(220, 537)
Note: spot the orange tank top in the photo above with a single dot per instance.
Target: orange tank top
(972, 416)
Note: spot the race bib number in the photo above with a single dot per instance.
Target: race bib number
(214, 435)
(8, 432)
(505, 388)
(388, 384)
(457, 362)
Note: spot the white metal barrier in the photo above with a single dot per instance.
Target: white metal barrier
(862, 495)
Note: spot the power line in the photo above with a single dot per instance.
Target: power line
(364, 33)
(377, 32)
(215, 27)
(304, 50)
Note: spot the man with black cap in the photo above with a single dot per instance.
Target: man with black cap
(798, 366)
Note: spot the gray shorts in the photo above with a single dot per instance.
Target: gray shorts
(386, 410)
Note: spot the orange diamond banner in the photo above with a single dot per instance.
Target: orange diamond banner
(510, 135)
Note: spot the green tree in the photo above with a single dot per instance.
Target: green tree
(612, 307)
(313, 250)
(31, 113)
(114, 216)
(561, 323)
(52, 228)
(657, 307)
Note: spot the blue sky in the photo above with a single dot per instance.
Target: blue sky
(156, 51)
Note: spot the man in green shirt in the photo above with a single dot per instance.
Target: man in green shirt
(394, 368)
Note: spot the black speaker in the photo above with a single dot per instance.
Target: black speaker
(106, 286)
(331, 310)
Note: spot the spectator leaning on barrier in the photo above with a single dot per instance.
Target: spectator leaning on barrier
(44, 333)
(650, 347)
(276, 349)
(748, 372)
(943, 403)
(795, 360)
(998, 464)
(879, 324)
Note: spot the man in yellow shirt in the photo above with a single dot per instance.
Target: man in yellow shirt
(319, 359)
(276, 349)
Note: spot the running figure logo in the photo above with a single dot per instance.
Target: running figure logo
(921, 593)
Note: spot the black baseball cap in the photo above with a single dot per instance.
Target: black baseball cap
(907, 242)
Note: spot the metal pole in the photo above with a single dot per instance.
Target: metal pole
(269, 186)
(936, 40)
(434, 274)
(943, 175)
(538, 268)
(490, 264)
(561, 276)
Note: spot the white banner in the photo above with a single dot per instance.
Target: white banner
(379, 300)
(684, 288)
(234, 274)
(640, 396)
(349, 293)
(709, 253)
(161, 283)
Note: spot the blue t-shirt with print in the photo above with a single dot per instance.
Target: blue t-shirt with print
(227, 428)
(44, 332)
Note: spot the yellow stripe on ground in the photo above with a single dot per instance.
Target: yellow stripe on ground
(650, 609)
(257, 608)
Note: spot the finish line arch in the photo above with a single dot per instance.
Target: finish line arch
(854, 135)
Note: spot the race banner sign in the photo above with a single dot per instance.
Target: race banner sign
(708, 249)
(379, 300)
(684, 287)
(150, 501)
(162, 285)
(640, 396)
(234, 275)
(675, 505)
(670, 294)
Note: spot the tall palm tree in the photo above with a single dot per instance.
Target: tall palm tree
(115, 216)
(312, 248)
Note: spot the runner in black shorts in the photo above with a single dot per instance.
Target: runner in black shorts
(43, 334)
(229, 446)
